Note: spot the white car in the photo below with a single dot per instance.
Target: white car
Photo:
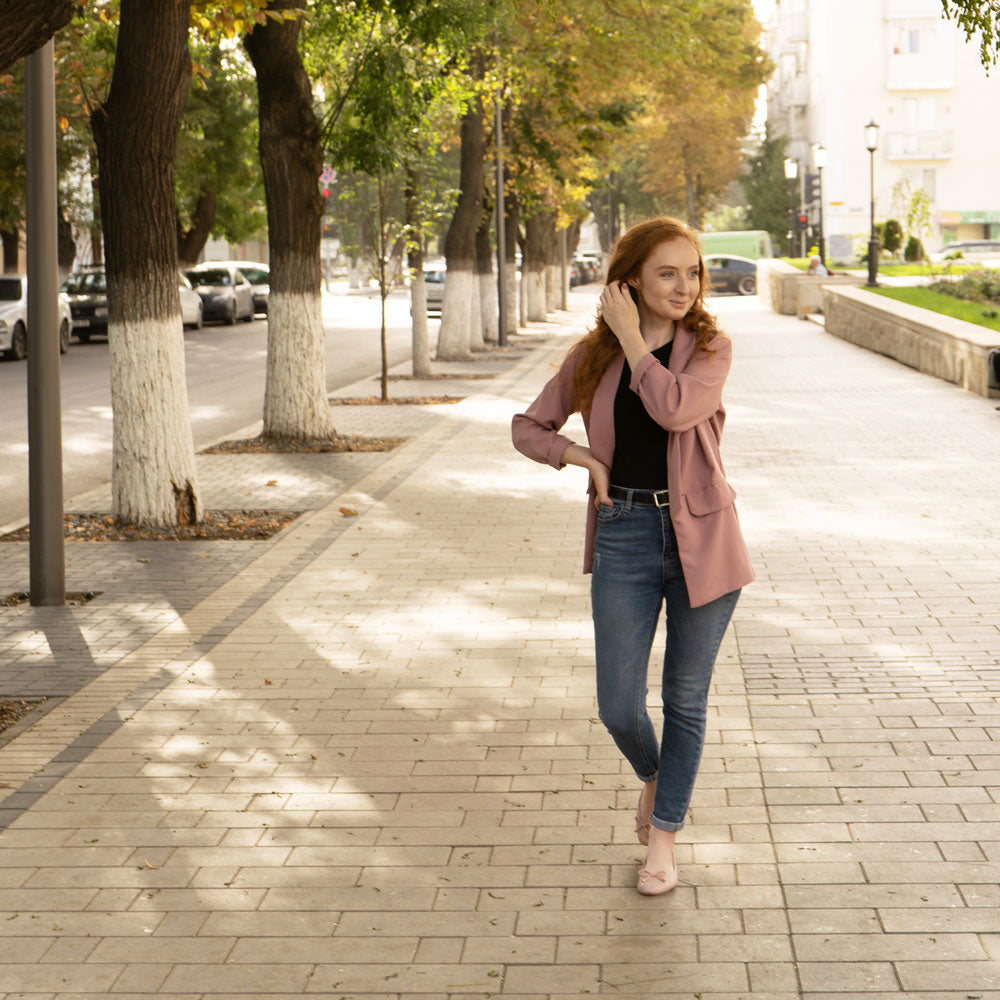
(435, 272)
(259, 276)
(191, 307)
(986, 252)
(14, 318)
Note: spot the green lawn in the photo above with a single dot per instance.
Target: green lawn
(893, 270)
(971, 312)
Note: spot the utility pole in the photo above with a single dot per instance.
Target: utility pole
(46, 547)
(501, 228)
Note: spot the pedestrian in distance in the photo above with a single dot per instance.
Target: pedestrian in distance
(662, 528)
(816, 265)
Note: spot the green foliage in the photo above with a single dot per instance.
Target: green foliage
(914, 249)
(980, 17)
(982, 285)
(217, 144)
(769, 195)
(892, 235)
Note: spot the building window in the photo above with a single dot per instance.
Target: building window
(930, 183)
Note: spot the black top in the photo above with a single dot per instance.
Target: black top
(640, 460)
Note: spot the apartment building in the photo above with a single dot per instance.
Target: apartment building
(840, 64)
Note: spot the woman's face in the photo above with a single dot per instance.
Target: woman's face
(669, 281)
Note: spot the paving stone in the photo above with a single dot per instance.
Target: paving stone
(362, 758)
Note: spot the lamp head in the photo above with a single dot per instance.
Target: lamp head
(791, 168)
(819, 156)
(871, 136)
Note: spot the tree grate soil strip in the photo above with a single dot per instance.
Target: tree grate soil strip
(231, 525)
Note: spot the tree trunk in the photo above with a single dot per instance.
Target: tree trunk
(25, 27)
(511, 240)
(553, 266)
(488, 298)
(421, 351)
(191, 242)
(96, 236)
(153, 478)
(534, 257)
(291, 159)
(460, 308)
(11, 242)
(66, 245)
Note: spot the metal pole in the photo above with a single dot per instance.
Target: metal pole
(802, 207)
(45, 483)
(563, 270)
(501, 231)
(872, 238)
(822, 236)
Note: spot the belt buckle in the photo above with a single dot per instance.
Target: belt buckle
(656, 498)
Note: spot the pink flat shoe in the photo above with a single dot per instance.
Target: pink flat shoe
(642, 826)
(656, 883)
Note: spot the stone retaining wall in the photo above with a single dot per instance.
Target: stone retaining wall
(933, 343)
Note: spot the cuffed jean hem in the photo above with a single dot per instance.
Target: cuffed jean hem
(662, 824)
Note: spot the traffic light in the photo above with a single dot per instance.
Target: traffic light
(813, 193)
(802, 222)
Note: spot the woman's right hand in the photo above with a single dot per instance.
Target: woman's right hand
(601, 475)
(578, 454)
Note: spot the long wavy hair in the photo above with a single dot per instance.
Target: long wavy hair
(600, 347)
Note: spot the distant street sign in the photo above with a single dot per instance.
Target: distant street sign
(328, 176)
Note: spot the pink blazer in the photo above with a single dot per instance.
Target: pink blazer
(686, 399)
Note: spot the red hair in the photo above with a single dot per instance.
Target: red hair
(600, 347)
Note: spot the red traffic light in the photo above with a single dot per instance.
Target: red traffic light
(802, 220)
(326, 192)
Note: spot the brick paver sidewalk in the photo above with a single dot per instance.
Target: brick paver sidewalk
(382, 775)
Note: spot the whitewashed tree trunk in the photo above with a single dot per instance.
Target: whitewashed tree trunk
(291, 158)
(421, 348)
(460, 316)
(552, 279)
(461, 288)
(295, 398)
(535, 293)
(522, 298)
(476, 342)
(511, 296)
(153, 478)
(489, 306)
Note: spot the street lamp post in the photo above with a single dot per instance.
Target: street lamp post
(871, 143)
(791, 172)
(819, 158)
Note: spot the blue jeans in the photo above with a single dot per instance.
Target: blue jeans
(636, 569)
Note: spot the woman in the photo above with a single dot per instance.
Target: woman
(662, 526)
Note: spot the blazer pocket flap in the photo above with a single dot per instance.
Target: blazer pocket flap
(710, 498)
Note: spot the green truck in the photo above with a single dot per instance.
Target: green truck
(753, 243)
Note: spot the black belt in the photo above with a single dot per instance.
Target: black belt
(648, 498)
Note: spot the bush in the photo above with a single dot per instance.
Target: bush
(975, 286)
(892, 235)
(914, 250)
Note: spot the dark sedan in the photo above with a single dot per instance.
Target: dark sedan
(730, 273)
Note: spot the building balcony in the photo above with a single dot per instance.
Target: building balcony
(920, 72)
(919, 145)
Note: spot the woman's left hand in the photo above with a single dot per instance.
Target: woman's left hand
(619, 310)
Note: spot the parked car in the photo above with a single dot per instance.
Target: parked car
(975, 251)
(434, 275)
(87, 291)
(192, 309)
(259, 276)
(225, 292)
(14, 318)
(730, 273)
